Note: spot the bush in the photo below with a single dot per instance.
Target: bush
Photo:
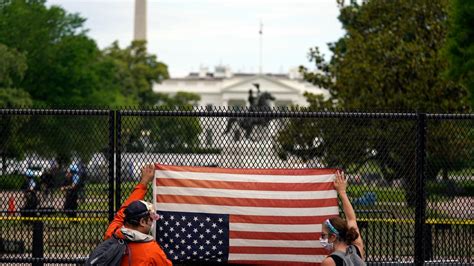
(11, 182)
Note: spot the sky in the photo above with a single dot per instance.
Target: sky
(188, 34)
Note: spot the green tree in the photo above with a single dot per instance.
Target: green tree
(65, 69)
(12, 69)
(460, 44)
(137, 71)
(388, 59)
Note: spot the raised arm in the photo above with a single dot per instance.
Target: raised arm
(340, 184)
(138, 193)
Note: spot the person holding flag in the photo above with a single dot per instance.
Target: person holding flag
(342, 237)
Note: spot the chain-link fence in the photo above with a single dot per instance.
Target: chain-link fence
(65, 172)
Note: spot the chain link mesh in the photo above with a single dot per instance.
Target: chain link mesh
(379, 152)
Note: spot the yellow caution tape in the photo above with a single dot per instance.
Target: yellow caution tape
(57, 219)
(412, 221)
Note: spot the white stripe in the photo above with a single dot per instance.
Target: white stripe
(323, 211)
(283, 228)
(250, 194)
(238, 242)
(246, 178)
(277, 257)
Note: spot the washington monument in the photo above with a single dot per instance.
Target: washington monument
(140, 21)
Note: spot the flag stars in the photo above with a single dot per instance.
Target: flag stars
(183, 241)
(221, 220)
(201, 236)
(190, 224)
(208, 242)
(214, 225)
(195, 230)
(201, 247)
(220, 231)
(166, 223)
(183, 229)
(177, 235)
(189, 236)
(183, 218)
(201, 225)
(208, 219)
(214, 236)
(220, 242)
(208, 230)
(177, 223)
(195, 218)
(214, 248)
(188, 247)
(172, 217)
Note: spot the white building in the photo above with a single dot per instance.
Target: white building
(224, 88)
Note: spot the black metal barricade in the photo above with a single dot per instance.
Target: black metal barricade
(411, 175)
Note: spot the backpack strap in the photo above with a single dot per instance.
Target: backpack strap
(338, 257)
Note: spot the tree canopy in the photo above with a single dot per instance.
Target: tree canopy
(47, 60)
(460, 44)
(389, 59)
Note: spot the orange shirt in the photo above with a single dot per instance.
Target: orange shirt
(143, 253)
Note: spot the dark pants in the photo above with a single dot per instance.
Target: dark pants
(70, 204)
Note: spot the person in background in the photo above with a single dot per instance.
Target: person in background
(71, 187)
(31, 199)
(134, 222)
(341, 236)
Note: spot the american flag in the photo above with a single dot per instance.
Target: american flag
(247, 216)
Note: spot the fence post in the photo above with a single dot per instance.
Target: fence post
(37, 242)
(118, 161)
(112, 149)
(420, 190)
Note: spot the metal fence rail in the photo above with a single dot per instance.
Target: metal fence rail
(411, 174)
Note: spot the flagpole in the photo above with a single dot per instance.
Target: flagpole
(260, 32)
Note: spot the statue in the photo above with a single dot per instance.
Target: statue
(262, 102)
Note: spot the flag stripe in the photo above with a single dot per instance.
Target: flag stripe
(239, 177)
(244, 185)
(274, 235)
(245, 210)
(312, 171)
(264, 216)
(271, 262)
(275, 227)
(277, 250)
(275, 257)
(274, 243)
(261, 203)
(279, 219)
(233, 193)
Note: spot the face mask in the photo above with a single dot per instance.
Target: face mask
(325, 244)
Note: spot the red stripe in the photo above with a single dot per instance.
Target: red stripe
(268, 186)
(274, 235)
(272, 262)
(271, 203)
(319, 171)
(257, 219)
(277, 250)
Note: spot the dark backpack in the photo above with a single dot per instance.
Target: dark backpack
(108, 252)
(350, 257)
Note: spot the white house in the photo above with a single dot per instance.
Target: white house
(224, 88)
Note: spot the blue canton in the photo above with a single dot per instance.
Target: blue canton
(186, 236)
